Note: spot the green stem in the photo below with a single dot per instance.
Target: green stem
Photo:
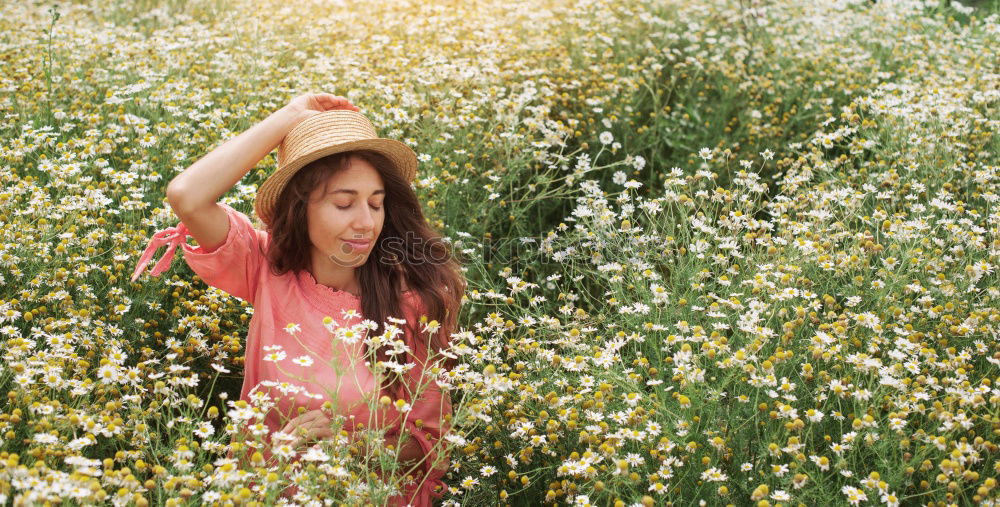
(48, 64)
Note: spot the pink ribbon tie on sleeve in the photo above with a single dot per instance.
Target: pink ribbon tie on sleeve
(172, 237)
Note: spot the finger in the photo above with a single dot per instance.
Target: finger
(302, 418)
(305, 423)
(310, 416)
(318, 426)
(308, 434)
(294, 423)
(315, 434)
(323, 433)
(341, 101)
(299, 430)
(289, 425)
(297, 442)
(314, 424)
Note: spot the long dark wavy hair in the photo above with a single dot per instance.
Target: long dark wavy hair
(406, 249)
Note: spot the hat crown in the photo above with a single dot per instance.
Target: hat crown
(328, 128)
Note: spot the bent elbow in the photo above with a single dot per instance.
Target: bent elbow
(182, 200)
(175, 195)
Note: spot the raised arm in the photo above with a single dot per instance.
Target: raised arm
(194, 193)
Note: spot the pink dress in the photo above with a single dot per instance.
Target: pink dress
(239, 267)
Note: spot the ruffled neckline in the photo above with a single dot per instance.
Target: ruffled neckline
(328, 293)
(325, 291)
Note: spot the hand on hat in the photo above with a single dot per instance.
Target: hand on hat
(313, 103)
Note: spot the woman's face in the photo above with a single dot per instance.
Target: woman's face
(345, 217)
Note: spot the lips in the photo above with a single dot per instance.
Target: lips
(358, 245)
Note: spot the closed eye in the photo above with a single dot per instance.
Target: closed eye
(376, 208)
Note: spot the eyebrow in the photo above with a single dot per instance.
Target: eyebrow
(352, 192)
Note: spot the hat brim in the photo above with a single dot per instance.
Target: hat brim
(401, 155)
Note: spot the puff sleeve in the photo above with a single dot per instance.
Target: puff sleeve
(233, 267)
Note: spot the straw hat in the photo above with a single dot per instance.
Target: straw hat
(323, 134)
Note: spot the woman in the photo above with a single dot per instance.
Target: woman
(345, 238)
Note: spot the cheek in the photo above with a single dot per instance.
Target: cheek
(324, 225)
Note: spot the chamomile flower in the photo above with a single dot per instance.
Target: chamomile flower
(276, 356)
(713, 475)
(304, 361)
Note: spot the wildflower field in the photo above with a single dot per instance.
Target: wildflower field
(718, 252)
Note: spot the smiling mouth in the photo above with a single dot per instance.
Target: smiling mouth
(358, 245)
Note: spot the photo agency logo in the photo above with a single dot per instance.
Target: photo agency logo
(412, 250)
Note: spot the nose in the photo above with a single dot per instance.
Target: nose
(364, 222)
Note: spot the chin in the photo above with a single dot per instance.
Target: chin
(355, 262)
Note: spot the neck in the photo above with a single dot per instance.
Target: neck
(336, 277)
